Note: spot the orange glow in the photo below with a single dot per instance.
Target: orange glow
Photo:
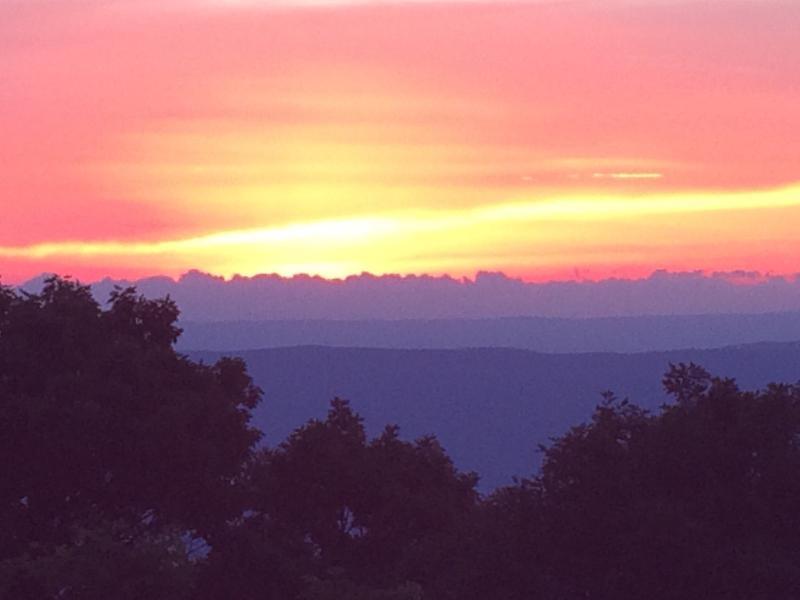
(523, 237)
(542, 139)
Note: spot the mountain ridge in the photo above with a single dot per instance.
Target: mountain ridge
(550, 335)
(491, 408)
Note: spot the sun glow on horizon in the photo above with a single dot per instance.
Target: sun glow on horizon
(565, 232)
(537, 138)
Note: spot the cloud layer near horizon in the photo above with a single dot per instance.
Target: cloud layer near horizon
(544, 139)
(207, 298)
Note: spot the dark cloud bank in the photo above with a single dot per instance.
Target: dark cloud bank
(207, 298)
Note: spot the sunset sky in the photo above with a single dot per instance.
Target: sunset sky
(547, 139)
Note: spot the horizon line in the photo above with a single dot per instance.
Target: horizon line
(737, 277)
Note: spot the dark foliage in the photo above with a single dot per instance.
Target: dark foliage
(358, 515)
(131, 472)
(111, 442)
(699, 501)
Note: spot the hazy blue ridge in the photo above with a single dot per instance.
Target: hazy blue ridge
(490, 407)
(610, 334)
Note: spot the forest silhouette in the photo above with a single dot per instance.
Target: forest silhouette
(130, 471)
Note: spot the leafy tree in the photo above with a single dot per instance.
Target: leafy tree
(102, 422)
(101, 562)
(697, 501)
(336, 589)
(256, 560)
(366, 516)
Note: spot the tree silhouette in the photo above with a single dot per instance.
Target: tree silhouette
(698, 501)
(122, 458)
(365, 516)
(105, 429)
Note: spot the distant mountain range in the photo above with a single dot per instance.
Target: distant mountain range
(205, 298)
(610, 334)
(490, 407)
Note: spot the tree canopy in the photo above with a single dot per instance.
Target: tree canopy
(370, 516)
(107, 434)
(698, 501)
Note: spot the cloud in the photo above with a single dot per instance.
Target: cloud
(205, 298)
(627, 176)
(163, 136)
(520, 234)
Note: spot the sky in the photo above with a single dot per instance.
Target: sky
(572, 139)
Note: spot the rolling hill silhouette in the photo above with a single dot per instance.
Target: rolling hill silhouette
(609, 334)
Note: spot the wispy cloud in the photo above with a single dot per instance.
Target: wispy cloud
(632, 175)
(334, 247)
(166, 134)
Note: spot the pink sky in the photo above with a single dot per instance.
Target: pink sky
(541, 138)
